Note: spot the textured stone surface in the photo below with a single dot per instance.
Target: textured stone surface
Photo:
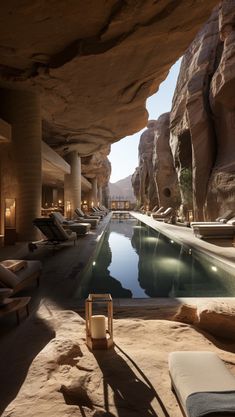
(202, 116)
(163, 165)
(94, 63)
(97, 166)
(147, 192)
(217, 318)
(66, 379)
(155, 180)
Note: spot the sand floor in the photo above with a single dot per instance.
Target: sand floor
(144, 335)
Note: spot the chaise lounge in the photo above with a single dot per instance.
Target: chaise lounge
(214, 231)
(85, 216)
(53, 231)
(18, 274)
(202, 384)
(163, 215)
(80, 228)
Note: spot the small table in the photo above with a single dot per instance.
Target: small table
(15, 305)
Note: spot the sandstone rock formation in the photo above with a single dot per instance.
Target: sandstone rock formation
(147, 193)
(202, 127)
(155, 180)
(163, 166)
(94, 63)
(98, 166)
(65, 379)
(214, 317)
(202, 121)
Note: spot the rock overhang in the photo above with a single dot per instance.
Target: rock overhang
(94, 64)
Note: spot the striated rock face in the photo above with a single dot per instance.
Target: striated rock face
(155, 180)
(94, 63)
(202, 118)
(147, 193)
(135, 182)
(163, 166)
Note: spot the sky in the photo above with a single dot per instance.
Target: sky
(126, 150)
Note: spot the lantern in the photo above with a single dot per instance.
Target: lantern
(99, 328)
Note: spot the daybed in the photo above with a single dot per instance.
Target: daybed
(227, 218)
(53, 231)
(163, 215)
(216, 231)
(78, 227)
(202, 384)
(86, 216)
(93, 222)
(17, 279)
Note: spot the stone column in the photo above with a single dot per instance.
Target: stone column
(100, 194)
(72, 183)
(94, 191)
(55, 196)
(22, 110)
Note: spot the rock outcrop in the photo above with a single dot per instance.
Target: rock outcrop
(155, 180)
(214, 317)
(163, 165)
(147, 193)
(94, 63)
(202, 125)
(202, 128)
(65, 379)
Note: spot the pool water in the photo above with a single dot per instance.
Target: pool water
(135, 261)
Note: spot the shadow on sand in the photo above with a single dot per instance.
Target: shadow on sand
(133, 393)
(17, 352)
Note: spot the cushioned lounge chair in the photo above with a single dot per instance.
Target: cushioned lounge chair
(202, 384)
(157, 210)
(97, 212)
(227, 218)
(79, 227)
(216, 231)
(21, 278)
(93, 222)
(53, 231)
(163, 215)
(86, 216)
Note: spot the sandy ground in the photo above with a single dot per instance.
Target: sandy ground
(46, 368)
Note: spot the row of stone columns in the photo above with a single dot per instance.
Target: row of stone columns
(21, 165)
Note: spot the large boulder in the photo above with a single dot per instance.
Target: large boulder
(215, 317)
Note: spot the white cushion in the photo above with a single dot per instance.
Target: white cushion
(198, 372)
(8, 278)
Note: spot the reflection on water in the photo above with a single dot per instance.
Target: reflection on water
(136, 261)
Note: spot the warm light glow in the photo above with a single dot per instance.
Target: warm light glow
(92, 204)
(8, 212)
(84, 202)
(94, 263)
(214, 268)
(59, 201)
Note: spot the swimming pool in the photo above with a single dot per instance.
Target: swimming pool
(135, 261)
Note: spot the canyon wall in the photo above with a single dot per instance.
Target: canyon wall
(202, 122)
